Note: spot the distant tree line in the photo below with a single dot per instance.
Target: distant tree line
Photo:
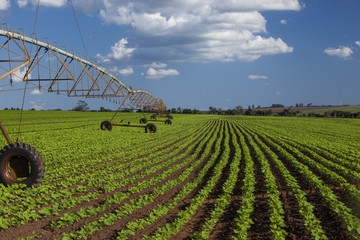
(334, 114)
(179, 110)
(11, 108)
(238, 110)
(287, 113)
(302, 105)
(330, 114)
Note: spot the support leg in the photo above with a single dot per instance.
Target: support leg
(5, 134)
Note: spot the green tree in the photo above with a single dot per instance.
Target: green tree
(82, 106)
(239, 110)
(212, 110)
(195, 111)
(187, 111)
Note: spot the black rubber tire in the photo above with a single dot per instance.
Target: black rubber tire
(150, 128)
(21, 160)
(153, 116)
(143, 121)
(106, 125)
(168, 122)
(170, 117)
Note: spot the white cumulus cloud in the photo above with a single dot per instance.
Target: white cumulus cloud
(153, 73)
(4, 4)
(19, 74)
(342, 52)
(253, 77)
(357, 43)
(283, 21)
(38, 107)
(35, 92)
(126, 71)
(202, 30)
(22, 3)
(118, 51)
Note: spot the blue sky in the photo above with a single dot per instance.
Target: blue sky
(196, 54)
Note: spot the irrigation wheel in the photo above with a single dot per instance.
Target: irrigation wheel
(168, 122)
(150, 128)
(106, 125)
(153, 116)
(21, 163)
(143, 121)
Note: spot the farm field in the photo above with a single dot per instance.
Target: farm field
(203, 177)
(315, 109)
(353, 109)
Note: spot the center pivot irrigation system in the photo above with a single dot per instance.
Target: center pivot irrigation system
(42, 66)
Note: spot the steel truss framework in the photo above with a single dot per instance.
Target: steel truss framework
(47, 67)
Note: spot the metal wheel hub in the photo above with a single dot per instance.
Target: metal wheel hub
(17, 168)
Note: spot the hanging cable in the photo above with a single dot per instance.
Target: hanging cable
(21, 113)
(77, 24)
(26, 78)
(36, 16)
(37, 10)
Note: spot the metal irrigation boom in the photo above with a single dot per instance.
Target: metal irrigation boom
(57, 70)
(43, 66)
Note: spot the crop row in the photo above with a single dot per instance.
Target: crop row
(143, 200)
(104, 181)
(291, 154)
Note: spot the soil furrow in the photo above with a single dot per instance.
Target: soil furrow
(331, 224)
(203, 211)
(340, 192)
(260, 216)
(224, 228)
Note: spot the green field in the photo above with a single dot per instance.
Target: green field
(203, 177)
(352, 109)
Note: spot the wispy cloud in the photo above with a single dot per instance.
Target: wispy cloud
(46, 3)
(156, 65)
(253, 77)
